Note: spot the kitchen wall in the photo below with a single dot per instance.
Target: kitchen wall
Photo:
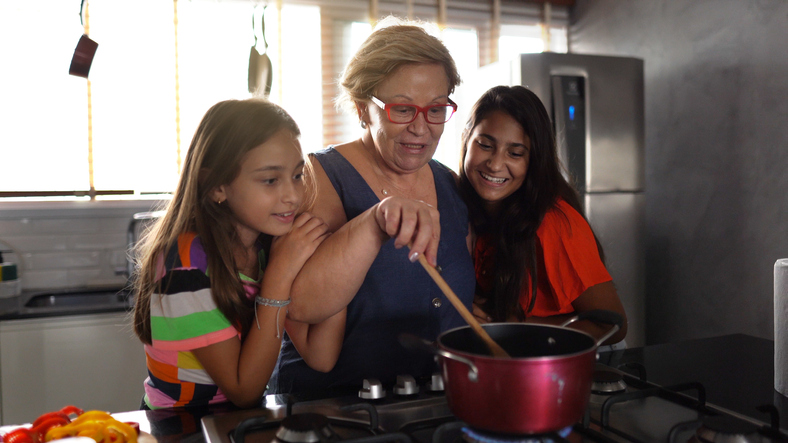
(68, 244)
(716, 91)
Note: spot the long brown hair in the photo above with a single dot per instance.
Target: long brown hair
(514, 229)
(226, 133)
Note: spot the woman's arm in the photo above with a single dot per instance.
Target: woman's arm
(570, 255)
(242, 370)
(333, 274)
(601, 296)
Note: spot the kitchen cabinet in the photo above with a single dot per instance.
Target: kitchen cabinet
(90, 361)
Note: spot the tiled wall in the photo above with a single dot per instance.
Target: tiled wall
(61, 245)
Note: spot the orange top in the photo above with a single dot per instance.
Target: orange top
(568, 262)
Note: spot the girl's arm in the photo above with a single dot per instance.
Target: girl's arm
(319, 344)
(242, 370)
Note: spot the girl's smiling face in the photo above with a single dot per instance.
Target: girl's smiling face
(497, 157)
(268, 190)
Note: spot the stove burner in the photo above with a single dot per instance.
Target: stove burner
(726, 429)
(607, 382)
(470, 435)
(304, 428)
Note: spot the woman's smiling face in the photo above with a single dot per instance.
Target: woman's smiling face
(497, 157)
(408, 147)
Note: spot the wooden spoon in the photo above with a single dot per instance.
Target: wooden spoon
(495, 348)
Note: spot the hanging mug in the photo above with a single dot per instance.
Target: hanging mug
(83, 57)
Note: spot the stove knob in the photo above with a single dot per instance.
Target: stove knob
(372, 389)
(406, 385)
(436, 383)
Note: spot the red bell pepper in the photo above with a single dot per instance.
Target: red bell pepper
(19, 435)
(39, 428)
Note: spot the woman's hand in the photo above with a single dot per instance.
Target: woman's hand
(410, 222)
(293, 249)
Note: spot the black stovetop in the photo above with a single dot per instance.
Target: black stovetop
(737, 372)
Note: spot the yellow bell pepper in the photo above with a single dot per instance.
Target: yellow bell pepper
(98, 425)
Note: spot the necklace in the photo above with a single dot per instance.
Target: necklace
(386, 185)
(389, 185)
(382, 177)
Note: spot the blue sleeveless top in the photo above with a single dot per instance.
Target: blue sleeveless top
(396, 295)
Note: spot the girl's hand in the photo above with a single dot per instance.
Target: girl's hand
(478, 312)
(410, 222)
(293, 249)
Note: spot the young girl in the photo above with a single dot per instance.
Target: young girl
(216, 270)
(536, 257)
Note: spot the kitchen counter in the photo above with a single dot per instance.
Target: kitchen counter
(38, 304)
(737, 371)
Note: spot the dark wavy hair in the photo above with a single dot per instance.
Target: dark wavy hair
(513, 229)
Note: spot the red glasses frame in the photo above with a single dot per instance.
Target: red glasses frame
(419, 110)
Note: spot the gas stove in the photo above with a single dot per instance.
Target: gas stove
(623, 407)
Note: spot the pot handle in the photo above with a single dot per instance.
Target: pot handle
(413, 343)
(601, 316)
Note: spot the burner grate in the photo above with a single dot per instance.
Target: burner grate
(302, 428)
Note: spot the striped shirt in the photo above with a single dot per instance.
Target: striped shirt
(185, 317)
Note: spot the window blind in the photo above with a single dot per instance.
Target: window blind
(458, 12)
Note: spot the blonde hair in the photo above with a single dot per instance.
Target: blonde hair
(226, 133)
(393, 43)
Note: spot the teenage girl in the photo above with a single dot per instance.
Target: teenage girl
(536, 257)
(215, 272)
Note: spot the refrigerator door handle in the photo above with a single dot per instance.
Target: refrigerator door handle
(560, 123)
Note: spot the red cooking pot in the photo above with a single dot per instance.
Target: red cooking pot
(544, 387)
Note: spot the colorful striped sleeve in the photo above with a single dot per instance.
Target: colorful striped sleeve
(184, 315)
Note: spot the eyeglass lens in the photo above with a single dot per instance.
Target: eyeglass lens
(435, 114)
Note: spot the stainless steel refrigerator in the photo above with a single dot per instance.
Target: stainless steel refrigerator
(596, 104)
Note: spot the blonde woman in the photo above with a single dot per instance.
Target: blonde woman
(379, 194)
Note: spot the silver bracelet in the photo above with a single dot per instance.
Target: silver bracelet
(279, 304)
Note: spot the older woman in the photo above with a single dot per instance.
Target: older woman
(386, 201)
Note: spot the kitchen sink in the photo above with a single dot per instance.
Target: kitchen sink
(81, 298)
(72, 302)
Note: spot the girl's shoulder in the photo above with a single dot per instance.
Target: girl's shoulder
(187, 253)
(563, 219)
